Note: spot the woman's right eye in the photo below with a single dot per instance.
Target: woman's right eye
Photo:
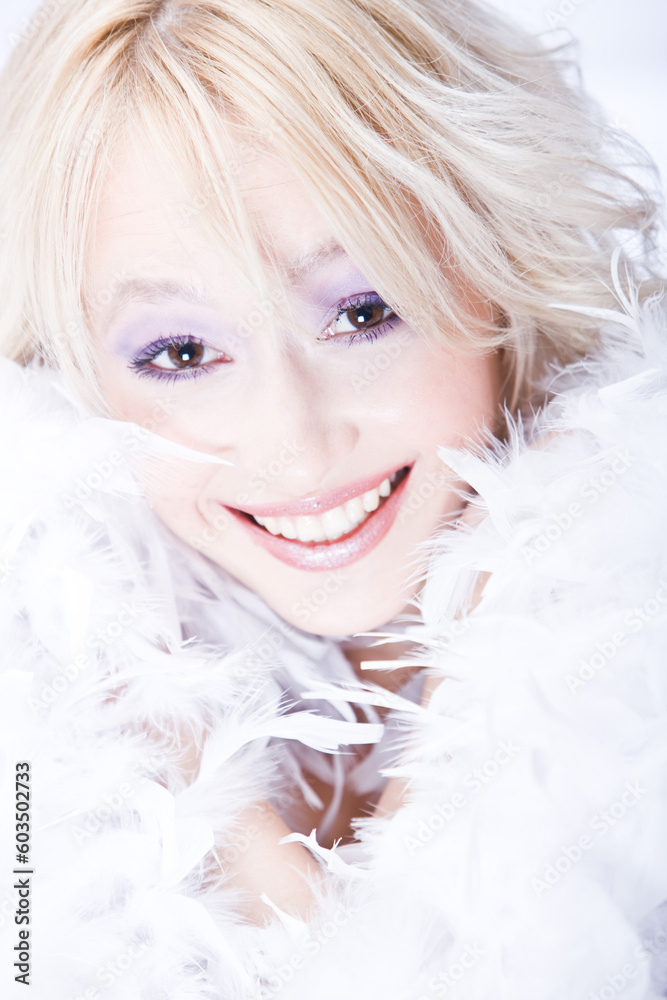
(175, 357)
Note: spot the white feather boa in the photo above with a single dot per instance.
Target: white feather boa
(529, 861)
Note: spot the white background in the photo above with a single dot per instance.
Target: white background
(622, 51)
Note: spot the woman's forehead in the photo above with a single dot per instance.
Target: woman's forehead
(141, 185)
(150, 239)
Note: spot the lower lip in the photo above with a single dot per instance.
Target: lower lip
(330, 555)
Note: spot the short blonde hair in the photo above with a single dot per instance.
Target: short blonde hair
(446, 147)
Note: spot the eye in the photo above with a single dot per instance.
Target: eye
(177, 357)
(182, 354)
(366, 315)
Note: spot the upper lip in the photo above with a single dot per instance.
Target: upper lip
(322, 501)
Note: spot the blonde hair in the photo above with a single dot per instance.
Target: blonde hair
(446, 147)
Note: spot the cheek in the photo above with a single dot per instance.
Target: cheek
(171, 412)
(173, 486)
(462, 393)
(173, 489)
(129, 398)
(433, 397)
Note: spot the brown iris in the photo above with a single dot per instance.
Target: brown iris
(186, 354)
(366, 315)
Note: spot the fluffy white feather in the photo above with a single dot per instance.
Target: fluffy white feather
(530, 857)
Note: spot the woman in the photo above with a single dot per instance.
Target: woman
(333, 657)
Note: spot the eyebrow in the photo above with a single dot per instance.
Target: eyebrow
(308, 260)
(147, 290)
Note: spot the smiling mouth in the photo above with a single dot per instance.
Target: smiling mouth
(322, 539)
(334, 524)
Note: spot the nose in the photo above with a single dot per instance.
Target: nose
(296, 434)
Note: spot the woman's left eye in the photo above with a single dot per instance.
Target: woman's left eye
(366, 317)
(175, 357)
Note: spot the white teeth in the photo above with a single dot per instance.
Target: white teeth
(371, 500)
(355, 510)
(320, 534)
(333, 523)
(286, 526)
(309, 529)
(336, 523)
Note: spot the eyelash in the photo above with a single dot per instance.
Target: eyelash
(361, 302)
(142, 364)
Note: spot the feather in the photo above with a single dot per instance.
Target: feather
(528, 857)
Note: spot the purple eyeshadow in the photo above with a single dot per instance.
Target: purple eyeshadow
(154, 322)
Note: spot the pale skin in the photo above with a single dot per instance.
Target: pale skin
(253, 395)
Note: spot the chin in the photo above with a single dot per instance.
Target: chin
(338, 615)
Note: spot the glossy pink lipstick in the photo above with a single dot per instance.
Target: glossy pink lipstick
(328, 554)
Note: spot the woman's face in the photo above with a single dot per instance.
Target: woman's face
(332, 431)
